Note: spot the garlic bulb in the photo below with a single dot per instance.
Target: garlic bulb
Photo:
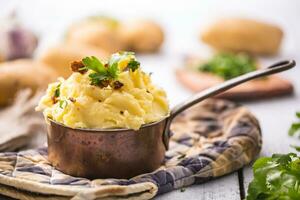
(16, 41)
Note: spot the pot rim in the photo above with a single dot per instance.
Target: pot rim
(108, 130)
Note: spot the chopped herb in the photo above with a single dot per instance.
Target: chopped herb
(63, 104)
(295, 127)
(56, 94)
(133, 65)
(94, 64)
(113, 71)
(182, 189)
(99, 80)
(103, 74)
(297, 148)
(228, 65)
(276, 177)
(57, 91)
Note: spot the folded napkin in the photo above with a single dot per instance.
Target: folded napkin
(20, 125)
(211, 139)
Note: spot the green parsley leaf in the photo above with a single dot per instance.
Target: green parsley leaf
(133, 65)
(94, 64)
(276, 177)
(104, 73)
(228, 66)
(297, 148)
(113, 71)
(57, 91)
(295, 127)
(97, 78)
(63, 104)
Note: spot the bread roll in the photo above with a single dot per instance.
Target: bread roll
(243, 35)
(61, 56)
(20, 74)
(142, 35)
(99, 32)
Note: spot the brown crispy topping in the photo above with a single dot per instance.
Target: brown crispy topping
(117, 85)
(78, 66)
(102, 84)
(121, 112)
(54, 99)
(72, 99)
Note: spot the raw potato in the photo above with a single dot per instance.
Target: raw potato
(61, 56)
(244, 35)
(142, 36)
(20, 74)
(96, 33)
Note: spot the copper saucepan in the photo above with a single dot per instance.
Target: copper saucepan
(124, 153)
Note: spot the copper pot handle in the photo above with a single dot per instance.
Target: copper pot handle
(273, 69)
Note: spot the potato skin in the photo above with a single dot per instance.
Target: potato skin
(20, 74)
(61, 56)
(142, 36)
(95, 33)
(243, 35)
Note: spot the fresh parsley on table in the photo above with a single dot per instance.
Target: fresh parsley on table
(228, 65)
(276, 177)
(295, 127)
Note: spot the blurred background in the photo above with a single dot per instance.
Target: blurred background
(182, 22)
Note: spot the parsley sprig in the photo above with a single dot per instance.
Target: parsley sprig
(276, 177)
(105, 73)
(295, 127)
(102, 73)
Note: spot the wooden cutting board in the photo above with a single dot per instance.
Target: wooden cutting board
(268, 87)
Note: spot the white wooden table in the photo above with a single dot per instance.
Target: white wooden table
(182, 22)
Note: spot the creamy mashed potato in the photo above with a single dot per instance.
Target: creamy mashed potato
(83, 105)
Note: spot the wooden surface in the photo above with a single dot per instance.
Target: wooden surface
(226, 187)
(182, 22)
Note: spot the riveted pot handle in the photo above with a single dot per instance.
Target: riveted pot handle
(273, 69)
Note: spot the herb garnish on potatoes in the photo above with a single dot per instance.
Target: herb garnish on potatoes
(105, 94)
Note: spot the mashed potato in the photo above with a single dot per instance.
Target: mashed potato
(83, 105)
